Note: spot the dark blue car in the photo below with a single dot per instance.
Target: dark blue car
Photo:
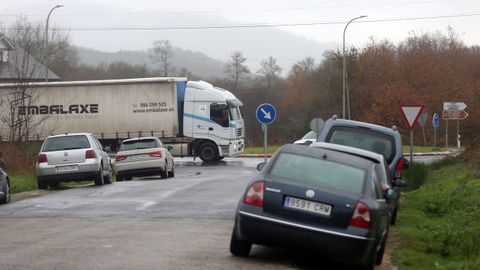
(316, 199)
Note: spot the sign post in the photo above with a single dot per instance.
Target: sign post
(436, 125)
(454, 111)
(422, 120)
(266, 114)
(411, 113)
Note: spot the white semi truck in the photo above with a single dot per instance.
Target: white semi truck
(193, 117)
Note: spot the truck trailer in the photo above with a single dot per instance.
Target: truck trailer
(193, 117)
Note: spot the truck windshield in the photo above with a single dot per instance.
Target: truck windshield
(235, 113)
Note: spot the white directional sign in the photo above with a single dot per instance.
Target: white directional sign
(454, 106)
(411, 113)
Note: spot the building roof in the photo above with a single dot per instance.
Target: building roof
(20, 66)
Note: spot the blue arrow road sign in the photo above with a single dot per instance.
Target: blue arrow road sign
(266, 113)
(436, 121)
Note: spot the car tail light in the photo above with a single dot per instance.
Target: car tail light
(384, 189)
(254, 194)
(399, 169)
(42, 158)
(361, 216)
(120, 157)
(156, 154)
(90, 154)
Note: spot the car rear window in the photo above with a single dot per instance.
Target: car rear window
(139, 144)
(364, 139)
(65, 143)
(319, 172)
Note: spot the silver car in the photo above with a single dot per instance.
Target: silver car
(144, 156)
(72, 157)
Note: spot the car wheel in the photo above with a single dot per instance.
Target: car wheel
(208, 152)
(172, 172)
(163, 172)
(41, 183)
(379, 257)
(6, 198)
(238, 247)
(394, 216)
(108, 178)
(54, 184)
(99, 177)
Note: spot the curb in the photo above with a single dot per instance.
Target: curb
(255, 155)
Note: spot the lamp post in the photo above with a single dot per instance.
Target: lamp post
(46, 42)
(344, 76)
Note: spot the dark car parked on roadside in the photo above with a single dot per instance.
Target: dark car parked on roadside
(378, 139)
(317, 199)
(4, 187)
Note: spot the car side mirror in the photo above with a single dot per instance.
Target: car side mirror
(400, 183)
(390, 195)
(406, 163)
(260, 166)
(169, 148)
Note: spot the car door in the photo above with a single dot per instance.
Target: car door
(384, 209)
(104, 155)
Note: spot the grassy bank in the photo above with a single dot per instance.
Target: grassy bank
(22, 182)
(439, 223)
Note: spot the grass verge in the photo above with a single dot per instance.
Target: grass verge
(439, 223)
(22, 183)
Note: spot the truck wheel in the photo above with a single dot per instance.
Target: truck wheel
(41, 183)
(99, 177)
(208, 152)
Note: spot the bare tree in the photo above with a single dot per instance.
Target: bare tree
(162, 54)
(269, 71)
(22, 70)
(235, 68)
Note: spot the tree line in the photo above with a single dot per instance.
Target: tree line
(425, 69)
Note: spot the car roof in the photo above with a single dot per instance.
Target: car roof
(329, 154)
(375, 157)
(69, 134)
(353, 123)
(139, 138)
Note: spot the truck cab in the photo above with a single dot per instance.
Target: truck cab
(212, 116)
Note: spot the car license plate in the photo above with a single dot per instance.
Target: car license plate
(68, 168)
(309, 206)
(137, 157)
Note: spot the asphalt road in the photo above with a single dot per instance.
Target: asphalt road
(178, 223)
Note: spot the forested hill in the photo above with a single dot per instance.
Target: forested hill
(195, 62)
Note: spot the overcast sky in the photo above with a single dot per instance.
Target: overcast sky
(384, 21)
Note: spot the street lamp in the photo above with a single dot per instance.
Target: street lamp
(344, 76)
(46, 42)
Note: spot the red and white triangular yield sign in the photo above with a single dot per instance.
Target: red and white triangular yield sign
(411, 113)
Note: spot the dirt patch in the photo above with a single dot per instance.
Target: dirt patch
(392, 244)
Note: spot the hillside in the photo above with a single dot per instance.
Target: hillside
(196, 62)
